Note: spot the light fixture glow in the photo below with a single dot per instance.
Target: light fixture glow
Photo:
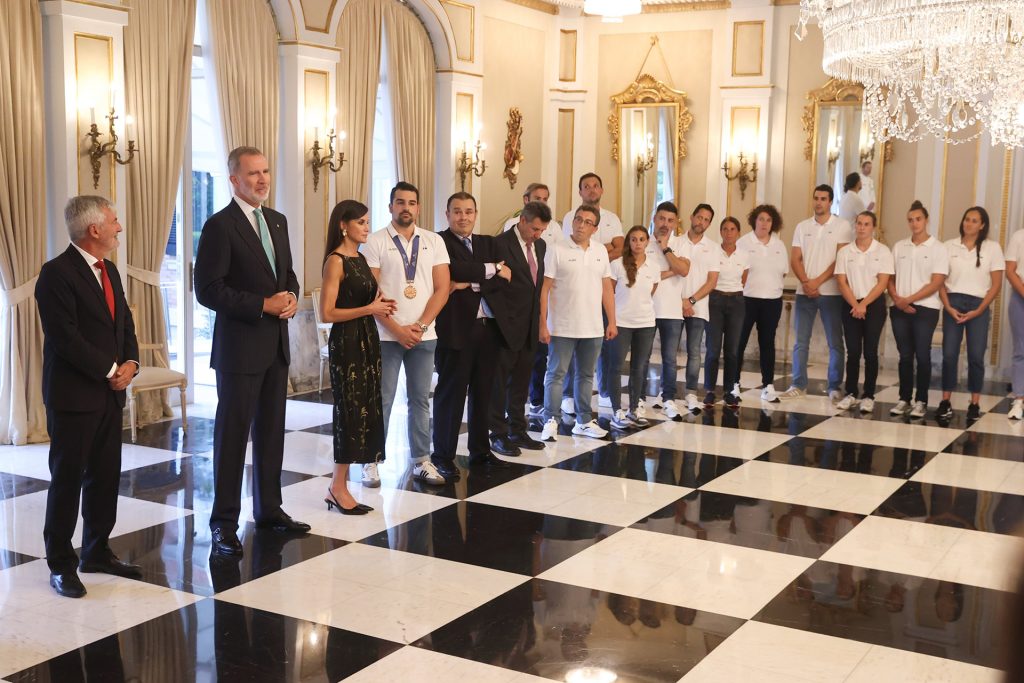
(611, 10)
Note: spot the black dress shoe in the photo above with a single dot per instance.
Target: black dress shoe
(68, 585)
(448, 470)
(489, 461)
(526, 441)
(283, 524)
(111, 565)
(226, 543)
(503, 445)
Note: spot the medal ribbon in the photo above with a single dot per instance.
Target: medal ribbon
(410, 263)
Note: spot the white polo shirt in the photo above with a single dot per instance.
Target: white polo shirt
(769, 264)
(819, 244)
(634, 306)
(850, 205)
(704, 259)
(1015, 250)
(731, 269)
(861, 268)
(965, 276)
(380, 252)
(574, 307)
(668, 300)
(608, 228)
(915, 265)
(867, 190)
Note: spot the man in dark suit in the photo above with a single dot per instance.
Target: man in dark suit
(522, 248)
(244, 272)
(467, 340)
(90, 356)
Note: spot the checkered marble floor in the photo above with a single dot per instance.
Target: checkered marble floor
(782, 542)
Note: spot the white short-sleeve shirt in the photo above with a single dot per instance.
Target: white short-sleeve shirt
(819, 243)
(965, 276)
(850, 205)
(574, 306)
(915, 265)
(1015, 250)
(634, 306)
(731, 269)
(380, 252)
(769, 264)
(704, 259)
(668, 300)
(862, 268)
(608, 228)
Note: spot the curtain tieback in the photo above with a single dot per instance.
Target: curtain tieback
(149, 277)
(12, 297)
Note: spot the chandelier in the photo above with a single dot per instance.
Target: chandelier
(949, 68)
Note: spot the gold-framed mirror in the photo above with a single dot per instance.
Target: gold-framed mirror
(648, 127)
(839, 142)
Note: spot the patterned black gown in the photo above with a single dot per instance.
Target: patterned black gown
(355, 370)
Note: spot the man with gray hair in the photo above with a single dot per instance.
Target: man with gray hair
(90, 356)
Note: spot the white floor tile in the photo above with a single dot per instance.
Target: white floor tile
(986, 474)
(306, 414)
(563, 448)
(959, 400)
(410, 663)
(31, 460)
(822, 488)
(698, 438)
(998, 423)
(890, 664)
(304, 452)
(884, 433)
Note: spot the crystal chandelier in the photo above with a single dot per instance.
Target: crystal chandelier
(949, 68)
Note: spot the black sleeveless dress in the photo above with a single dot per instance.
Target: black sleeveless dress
(355, 370)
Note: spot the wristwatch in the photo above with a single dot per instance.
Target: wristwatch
(693, 302)
(423, 328)
(666, 250)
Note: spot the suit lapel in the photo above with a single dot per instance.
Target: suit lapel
(250, 237)
(90, 282)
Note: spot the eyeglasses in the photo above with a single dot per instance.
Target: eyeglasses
(585, 221)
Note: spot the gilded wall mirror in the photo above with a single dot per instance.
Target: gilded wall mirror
(839, 142)
(648, 127)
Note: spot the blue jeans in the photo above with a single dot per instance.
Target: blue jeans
(830, 307)
(637, 342)
(977, 340)
(913, 333)
(670, 332)
(1015, 313)
(694, 335)
(560, 355)
(419, 368)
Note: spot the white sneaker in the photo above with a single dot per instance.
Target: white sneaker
(1016, 409)
(604, 401)
(638, 420)
(835, 395)
(550, 430)
(901, 408)
(591, 429)
(670, 409)
(736, 389)
(621, 421)
(536, 409)
(656, 401)
(692, 404)
(370, 476)
(867, 405)
(848, 401)
(919, 410)
(641, 410)
(427, 473)
(769, 394)
(568, 406)
(792, 392)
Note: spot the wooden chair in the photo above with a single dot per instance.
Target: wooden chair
(151, 378)
(323, 333)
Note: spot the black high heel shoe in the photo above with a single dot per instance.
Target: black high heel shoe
(332, 502)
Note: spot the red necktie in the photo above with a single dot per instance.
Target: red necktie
(108, 292)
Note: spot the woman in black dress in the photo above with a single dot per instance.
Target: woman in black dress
(350, 299)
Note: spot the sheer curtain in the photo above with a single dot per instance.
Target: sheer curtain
(22, 221)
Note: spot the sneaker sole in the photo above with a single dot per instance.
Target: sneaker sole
(371, 484)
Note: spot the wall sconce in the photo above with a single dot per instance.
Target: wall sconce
(643, 165)
(746, 174)
(465, 167)
(327, 160)
(867, 152)
(98, 150)
(834, 150)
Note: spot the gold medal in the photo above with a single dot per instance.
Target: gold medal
(410, 292)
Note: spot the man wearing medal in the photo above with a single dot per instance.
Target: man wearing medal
(411, 266)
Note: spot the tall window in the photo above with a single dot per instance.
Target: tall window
(384, 173)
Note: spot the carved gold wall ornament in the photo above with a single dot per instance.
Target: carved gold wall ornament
(513, 146)
(648, 90)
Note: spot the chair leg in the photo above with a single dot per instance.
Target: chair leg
(320, 388)
(131, 414)
(184, 417)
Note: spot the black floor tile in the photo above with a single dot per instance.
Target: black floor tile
(12, 485)
(646, 463)
(963, 508)
(862, 458)
(325, 396)
(996, 446)
(169, 435)
(9, 558)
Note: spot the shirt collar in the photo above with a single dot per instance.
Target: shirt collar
(519, 237)
(871, 247)
(245, 206)
(393, 233)
(90, 260)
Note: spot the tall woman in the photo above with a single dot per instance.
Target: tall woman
(863, 269)
(1015, 276)
(635, 278)
(349, 298)
(762, 294)
(975, 277)
(726, 316)
(922, 264)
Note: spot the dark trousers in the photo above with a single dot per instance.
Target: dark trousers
(913, 333)
(726, 318)
(977, 342)
(637, 342)
(248, 403)
(460, 373)
(512, 375)
(862, 337)
(85, 465)
(540, 366)
(765, 313)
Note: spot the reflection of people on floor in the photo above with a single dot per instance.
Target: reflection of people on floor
(100, 659)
